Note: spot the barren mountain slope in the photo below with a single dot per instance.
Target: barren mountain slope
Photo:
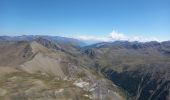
(46, 73)
(14, 53)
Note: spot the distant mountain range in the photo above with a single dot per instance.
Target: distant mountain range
(48, 68)
(57, 39)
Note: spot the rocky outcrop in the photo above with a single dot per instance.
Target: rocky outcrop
(48, 44)
(90, 52)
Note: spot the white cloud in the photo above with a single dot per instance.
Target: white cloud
(115, 36)
(120, 36)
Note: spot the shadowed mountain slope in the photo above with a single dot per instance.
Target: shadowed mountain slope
(141, 69)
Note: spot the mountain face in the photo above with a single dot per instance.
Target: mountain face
(14, 53)
(141, 69)
(50, 68)
(41, 69)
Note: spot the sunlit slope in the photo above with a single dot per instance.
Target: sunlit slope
(44, 72)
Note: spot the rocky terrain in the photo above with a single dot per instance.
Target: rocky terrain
(141, 69)
(58, 68)
(41, 69)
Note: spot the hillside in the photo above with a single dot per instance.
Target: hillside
(40, 68)
(44, 70)
(141, 69)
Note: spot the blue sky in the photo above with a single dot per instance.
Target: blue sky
(87, 19)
